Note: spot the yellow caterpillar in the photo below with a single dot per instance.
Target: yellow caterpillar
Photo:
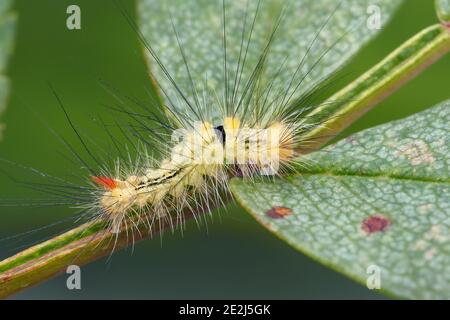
(207, 153)
(252, 125)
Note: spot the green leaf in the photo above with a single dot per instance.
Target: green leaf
(443, 10)
(380, 197)
(200, 28)
(7, 27)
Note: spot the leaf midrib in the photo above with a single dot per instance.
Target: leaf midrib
(367, 175)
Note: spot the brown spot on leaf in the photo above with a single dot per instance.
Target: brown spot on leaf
(417, 152)
(279, 212)
(376, 223)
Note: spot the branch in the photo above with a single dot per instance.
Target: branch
(80, 246)
(400, 66)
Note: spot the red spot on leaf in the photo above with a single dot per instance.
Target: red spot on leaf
(106, 182)
(376, 223)
(278, 212)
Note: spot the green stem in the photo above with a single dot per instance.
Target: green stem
(91, 241)
(350, 103)
(79, 246)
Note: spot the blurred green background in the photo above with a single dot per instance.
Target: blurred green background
(233, 257)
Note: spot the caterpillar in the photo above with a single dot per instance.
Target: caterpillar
(186, 151)
(250, 136)
(204, 156)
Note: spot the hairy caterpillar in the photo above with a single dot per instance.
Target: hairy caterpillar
(253, 118)
(182, 172)
(247, 136)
